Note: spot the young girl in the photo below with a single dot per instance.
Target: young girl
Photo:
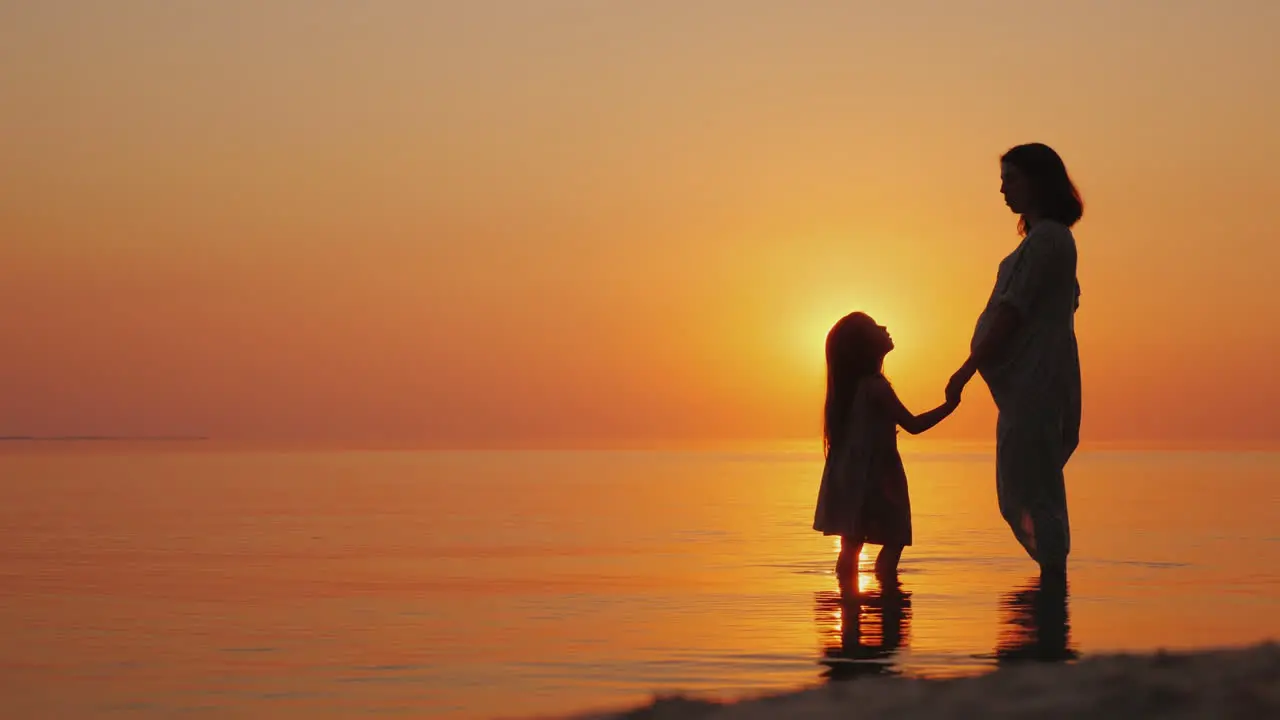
(863, 497)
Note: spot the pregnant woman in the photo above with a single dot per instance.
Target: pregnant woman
(1024, 346)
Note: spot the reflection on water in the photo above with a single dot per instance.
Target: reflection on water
(305, 585)
(1034, 623)
(862, 628)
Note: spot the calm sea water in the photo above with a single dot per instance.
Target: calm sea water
(157, 582)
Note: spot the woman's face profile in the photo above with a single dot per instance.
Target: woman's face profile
(1015, 188)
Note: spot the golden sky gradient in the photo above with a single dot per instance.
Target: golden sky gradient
(581, 222)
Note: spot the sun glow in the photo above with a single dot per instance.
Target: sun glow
(811, 338)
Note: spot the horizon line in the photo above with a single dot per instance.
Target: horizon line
(793, 444)
(100, 438)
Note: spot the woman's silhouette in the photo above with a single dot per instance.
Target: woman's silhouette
(1024, 345)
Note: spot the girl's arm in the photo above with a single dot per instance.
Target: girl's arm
(883, 394)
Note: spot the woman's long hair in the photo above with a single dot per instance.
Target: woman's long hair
(851, 355)
(1054, 195)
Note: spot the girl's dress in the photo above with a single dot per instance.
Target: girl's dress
(863, 496)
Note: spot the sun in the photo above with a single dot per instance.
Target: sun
(818, 323)
(809, 336)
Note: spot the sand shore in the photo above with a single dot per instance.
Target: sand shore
(1240, 683)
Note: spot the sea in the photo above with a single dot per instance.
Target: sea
(174, 580)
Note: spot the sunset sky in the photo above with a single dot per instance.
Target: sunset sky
(559, 222)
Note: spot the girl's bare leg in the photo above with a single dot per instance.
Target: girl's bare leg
(887, 562)
(847, 563)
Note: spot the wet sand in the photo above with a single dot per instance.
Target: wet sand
(1239, 683)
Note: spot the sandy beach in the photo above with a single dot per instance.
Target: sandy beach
(1237, 683)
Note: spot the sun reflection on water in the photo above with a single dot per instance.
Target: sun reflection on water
(861, 632)
(865, 564)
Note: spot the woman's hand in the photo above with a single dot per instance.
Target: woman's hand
(956, 385)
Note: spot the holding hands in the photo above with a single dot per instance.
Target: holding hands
(953, 398)
(955, 386)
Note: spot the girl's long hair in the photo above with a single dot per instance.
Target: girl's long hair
(851, 356)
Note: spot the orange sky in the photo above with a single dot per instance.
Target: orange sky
(515, 223)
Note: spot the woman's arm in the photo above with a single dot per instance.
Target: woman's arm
(882, 392)
(1002, 327)
(1042, 256)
